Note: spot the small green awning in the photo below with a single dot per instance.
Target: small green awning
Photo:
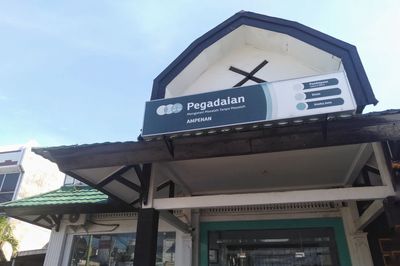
(46, 209)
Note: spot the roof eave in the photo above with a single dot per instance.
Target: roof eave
(378, 126)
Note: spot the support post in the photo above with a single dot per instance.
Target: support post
(369, 215)
(196, 236)
(146, 238)
(56, 247)
(357, 241)
(384, 170)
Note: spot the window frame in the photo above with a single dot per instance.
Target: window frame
(14, 192)
(68, 251)
(298, 223)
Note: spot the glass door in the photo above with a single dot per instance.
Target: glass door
(276, 247)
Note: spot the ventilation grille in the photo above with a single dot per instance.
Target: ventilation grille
(273, 208)
(251, 209)
(114, 215)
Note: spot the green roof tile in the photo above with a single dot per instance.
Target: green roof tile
(61, 196)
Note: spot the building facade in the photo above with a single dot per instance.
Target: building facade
(254, 151)
(24, 174)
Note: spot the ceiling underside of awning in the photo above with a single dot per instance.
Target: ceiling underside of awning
(49, 216)
(126, 183)
(289, 170)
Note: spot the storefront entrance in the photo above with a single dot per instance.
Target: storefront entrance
(284, 242)
(273, 247)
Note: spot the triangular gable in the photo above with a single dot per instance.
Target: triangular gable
(347, 53)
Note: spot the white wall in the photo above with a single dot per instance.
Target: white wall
(245, 48)
(39, 176)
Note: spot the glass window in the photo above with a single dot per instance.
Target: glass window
(165, 249)
(10, 182)
(4, 197)
(118, 250)
(70, 181)
(281, 247)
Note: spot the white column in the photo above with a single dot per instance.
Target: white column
(183, 249)
(55, 249)
(357, 241)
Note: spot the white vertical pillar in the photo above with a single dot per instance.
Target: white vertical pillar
(357, 241)
(187, 249)
(183, 249)
(56, 247)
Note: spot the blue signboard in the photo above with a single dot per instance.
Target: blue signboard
(206, 110)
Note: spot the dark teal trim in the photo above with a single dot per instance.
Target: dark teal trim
(335, 223)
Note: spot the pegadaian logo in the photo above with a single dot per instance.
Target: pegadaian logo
(169, 109)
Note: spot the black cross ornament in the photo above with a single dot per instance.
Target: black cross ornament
(249, 76)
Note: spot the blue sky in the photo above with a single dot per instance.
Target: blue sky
(74, 72)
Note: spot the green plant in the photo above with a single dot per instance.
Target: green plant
(6, 233)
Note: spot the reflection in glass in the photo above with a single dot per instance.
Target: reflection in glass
(8, 184)
(273, 247)
(118, 250)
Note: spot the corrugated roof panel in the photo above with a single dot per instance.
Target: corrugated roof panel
(64, 195)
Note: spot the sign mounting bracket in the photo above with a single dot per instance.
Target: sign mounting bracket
(170, 146)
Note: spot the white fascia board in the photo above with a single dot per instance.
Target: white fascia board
(315, 195)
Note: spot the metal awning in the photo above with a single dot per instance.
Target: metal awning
(47, 209)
